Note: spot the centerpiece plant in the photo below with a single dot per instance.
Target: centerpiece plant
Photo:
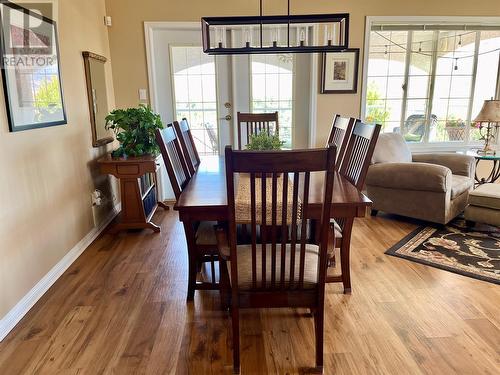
(135, 130)
(263, 141)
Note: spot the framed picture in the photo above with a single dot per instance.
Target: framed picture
(30, 69)
(339, 72)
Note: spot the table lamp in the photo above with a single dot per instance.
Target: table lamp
(488, 120)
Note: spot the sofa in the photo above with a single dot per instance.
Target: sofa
(431, 187)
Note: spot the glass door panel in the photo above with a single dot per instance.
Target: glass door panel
(195, 98)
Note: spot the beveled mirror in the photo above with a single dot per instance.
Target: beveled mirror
(95, 76)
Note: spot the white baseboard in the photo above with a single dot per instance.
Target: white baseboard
(9, 321)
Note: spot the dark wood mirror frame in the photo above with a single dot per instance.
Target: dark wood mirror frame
(87, 57)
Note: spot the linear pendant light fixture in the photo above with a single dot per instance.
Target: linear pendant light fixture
(275, 34)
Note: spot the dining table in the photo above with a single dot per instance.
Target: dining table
(205, 199)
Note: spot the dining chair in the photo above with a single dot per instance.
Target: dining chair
(188, 146)
(254, 123)
(354, 168)
(339, 135)
(280, 268)
(200, 236)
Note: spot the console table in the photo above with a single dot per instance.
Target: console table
(138, 187)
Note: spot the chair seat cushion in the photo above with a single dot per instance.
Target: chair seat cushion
(460, 184)
(205, 234)
(486, 195)
(245, 266)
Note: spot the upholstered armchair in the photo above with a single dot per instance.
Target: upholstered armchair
(431, 187)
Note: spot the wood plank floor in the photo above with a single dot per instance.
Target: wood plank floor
(121, 309)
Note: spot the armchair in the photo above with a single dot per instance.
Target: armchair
(431, 187)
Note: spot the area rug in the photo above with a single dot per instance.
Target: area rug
(471, 252)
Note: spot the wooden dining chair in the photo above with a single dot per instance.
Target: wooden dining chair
(188, 146)
(280, 268)
(354, 168)
(254, 123)
(200, 236)
(339, 135)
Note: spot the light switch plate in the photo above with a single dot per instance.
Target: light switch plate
(143, 95)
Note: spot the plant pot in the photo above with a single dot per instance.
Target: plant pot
(455, 133)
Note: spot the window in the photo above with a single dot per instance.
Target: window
(428, 82)
(272, 89)
(194, 88)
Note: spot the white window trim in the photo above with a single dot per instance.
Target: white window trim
(370, 20)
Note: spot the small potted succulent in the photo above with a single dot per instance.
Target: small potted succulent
(455, 129)
(135, 130)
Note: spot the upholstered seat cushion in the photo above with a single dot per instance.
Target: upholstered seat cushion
(245, 265)
(486, 195)
(460, 184)
(205, 234)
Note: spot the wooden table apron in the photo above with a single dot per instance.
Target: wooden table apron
(205, 198)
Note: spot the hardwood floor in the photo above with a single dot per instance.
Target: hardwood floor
(121, 309)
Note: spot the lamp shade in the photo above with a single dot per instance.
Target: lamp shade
(490, 112)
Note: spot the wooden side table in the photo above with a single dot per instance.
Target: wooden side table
(139, 189)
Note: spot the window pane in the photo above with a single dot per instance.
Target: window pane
(487, 67)
(272, 89)
(386, 69)
(195, 94)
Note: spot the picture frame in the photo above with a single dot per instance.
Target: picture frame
(31, 74)
(339, 72)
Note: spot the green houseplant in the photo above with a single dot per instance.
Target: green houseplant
(135, 130)
(264, 141)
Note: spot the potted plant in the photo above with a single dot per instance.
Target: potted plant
(135, 130)
(263, 141)
(455, 129)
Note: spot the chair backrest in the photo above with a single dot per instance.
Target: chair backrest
(254, 123)
(340, 134)
(359, 153)
(186, 141)
(278, 215)
(173, 158)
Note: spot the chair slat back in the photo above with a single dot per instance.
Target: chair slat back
(359, 152)
(188, 146)
(173, 158)
(340, 134)
(279, 191)
(254, 123)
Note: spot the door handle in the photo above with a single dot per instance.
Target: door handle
(228, 118)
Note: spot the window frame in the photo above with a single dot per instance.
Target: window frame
(370, 20)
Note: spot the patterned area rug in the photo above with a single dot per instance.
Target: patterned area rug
(470, 252)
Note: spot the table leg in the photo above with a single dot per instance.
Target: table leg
(192, 258)
(492, 177)
(345, 250)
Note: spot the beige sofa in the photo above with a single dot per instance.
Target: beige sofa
(431, 187)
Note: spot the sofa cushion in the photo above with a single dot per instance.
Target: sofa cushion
(460, 184)
(245, 265)
(391, 148)
(486, 195)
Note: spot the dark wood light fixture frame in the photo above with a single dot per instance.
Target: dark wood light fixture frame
(289, 20)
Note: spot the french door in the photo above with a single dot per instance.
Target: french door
(186, 83)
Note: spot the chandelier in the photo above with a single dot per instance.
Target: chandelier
(275, 33)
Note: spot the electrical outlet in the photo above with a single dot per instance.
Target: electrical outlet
(96, 197)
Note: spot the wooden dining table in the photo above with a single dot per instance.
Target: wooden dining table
(205, 199)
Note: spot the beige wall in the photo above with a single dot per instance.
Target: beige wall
(48, 174)
(127, 35)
